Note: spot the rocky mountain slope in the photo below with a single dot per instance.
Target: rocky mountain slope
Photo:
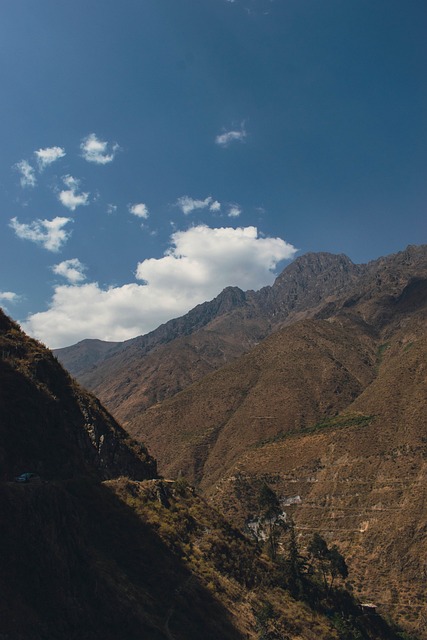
(98, 547)
(331, 411)
(329, 407)
(131, 376)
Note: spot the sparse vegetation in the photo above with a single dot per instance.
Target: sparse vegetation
(382, 349)
(335, 422)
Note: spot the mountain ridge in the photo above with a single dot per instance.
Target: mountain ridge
(136, 374)
(322, 395)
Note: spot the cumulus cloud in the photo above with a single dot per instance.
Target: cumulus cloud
(140, 210)
(234, 211)
(70, 197)
(46, 156)
(28, 176)
(215, 206)
(71, 269)
(111, 208)
(225, 138)
(50, 234)
(199, 263)
(97, 151)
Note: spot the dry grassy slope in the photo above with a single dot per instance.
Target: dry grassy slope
(362, 485)
(287, 383)
(163, 372)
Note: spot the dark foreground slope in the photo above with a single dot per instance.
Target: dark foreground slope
(75, 560)
(77, 563)
(51, 426)
(85, 558)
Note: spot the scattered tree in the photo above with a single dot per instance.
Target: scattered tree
(270, 516)
(295, 565)
(329, 562)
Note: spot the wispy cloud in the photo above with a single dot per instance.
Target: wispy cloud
(50, 234)
(47, 156)
(139, 209)
(70, 197)
(97, 151)
(188, 204)
(234, 211)
(111, 208)
(199, 263)
(9, 296)
(227, 137)
(28, 176)
(72, 270)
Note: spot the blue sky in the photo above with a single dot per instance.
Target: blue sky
(155, 151)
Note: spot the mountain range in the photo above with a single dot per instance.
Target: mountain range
(97, 545)
(316, 385)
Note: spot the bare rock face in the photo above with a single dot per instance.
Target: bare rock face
(309, 281)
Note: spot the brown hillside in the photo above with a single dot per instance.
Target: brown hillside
(295, 377)
(125, 558)
(133, 375)
(332, 412)
(360, 480)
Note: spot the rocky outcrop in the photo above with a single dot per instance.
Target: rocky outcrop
(50, 426)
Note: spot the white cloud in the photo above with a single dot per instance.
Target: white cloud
(224, 139)
(71, 269)
(69, 197)
(111, 208)
(188, 205)
(95, 150)
(198, 265)
(28, 176)
(49, 233)
(234, 211)
(48, 155)
(9, 296)
(215, 206)
(140, 210)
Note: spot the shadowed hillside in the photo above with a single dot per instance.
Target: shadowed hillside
(50, 425)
